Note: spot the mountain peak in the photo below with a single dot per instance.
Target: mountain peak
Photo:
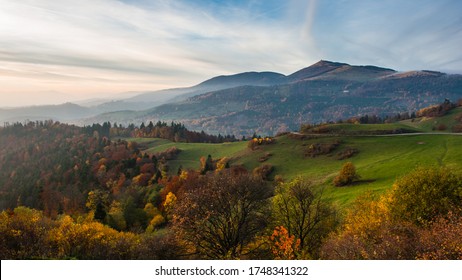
(325, 69)
(324, 63)
(246, 78)
(319, 68)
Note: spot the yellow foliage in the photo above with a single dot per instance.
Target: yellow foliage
(367, 215)
(221, 164)
(169, 202)
(183, 175)
(150, 210)
(155, 223)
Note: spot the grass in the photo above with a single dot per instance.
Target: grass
(348, 128)
(192, 152)
(428, 124)
(380, 161)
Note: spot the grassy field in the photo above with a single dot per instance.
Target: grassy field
(190, 152)
(349, 128)
(380, 161)
(428, 124)
(421, 124)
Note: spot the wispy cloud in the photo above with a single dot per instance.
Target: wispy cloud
(169, 43)
(407, 35)
(93, 47)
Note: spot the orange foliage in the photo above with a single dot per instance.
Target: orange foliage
(283, 245)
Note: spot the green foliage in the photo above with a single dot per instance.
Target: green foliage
(206, 164)
(175, 132)
(426, 193)
(419, 218)
(97, 201)
(135, 217)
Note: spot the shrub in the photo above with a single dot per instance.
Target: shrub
(347, 153)
(347, 175)
(426, 193)
(441, 127)
(457, 128)
(317, 149)
(263, 171)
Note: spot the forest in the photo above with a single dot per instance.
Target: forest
(69, 192)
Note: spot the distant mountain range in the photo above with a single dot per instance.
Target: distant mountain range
(268, 102)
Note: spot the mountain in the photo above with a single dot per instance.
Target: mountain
(325, 70)
(231, 81)
(266, 102)
(325, 91)
(63, 112)
(150, 99)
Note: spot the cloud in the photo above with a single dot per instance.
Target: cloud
(168, 43)
(405, 35)
(92, 47)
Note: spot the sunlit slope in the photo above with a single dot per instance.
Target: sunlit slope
(445, 123)
(380, 160)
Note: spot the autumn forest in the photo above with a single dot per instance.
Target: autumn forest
(71, 192)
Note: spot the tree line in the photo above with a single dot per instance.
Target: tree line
(437, 110)
(175, 132)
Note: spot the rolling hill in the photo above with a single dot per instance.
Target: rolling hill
(325, 91)
(380, 159)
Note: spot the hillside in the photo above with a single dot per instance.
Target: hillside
(380, 159)
(69, 192)
(266, 102)
(325, 70)
(325, 91)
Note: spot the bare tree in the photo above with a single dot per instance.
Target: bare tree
(302, 211)
(220, 216)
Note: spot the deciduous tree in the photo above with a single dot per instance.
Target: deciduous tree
(221, 216)
(299, 208)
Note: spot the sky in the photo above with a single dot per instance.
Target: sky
(57, 51)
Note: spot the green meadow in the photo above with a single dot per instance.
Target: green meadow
(380, 159)
(379, 162)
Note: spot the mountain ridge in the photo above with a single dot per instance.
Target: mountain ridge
(324, 91)
(268, 102)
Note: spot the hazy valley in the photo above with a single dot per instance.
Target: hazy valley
(267, 102)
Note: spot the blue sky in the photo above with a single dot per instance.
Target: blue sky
(57, 51)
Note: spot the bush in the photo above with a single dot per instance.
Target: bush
(347, 175)
(457, 128)
(420, 218)
(426, 193)
(347, 153)
(441, 127)
(263, 171)
(317, 149)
